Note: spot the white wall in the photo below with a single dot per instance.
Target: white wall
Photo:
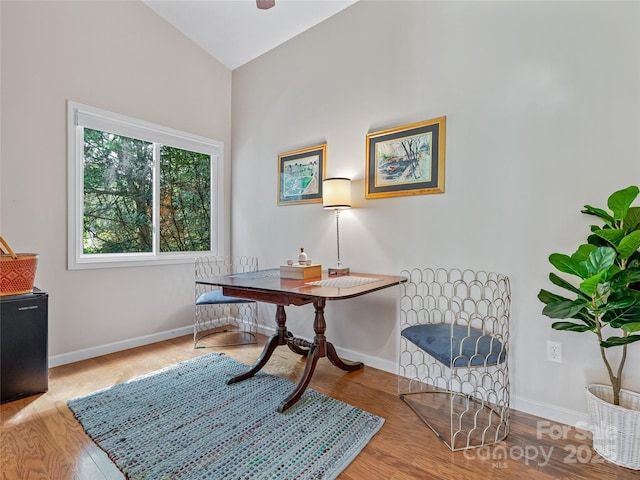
(543, 116)
(122, 57)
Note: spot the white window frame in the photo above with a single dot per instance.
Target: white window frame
(80, 116)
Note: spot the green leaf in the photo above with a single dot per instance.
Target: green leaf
(560, 282)
(625, 277)
(632, 220)
(618, 341)
(619, 317)
(611, 235)
(631, 327)
(598, 212)
(583, 252)
(629, 244)
(620, 201)
(623, 298)
(597, 241)
(591, 284)
(571, 327)
(566, 264)
(547, 297)
(601, 259)
(563, 309)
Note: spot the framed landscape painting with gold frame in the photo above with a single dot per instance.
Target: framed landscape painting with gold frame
(300, 175)
(406, 160)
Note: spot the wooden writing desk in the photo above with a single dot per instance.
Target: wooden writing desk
(267, 286)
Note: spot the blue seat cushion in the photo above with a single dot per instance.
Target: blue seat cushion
(215, 297)
(442, 342)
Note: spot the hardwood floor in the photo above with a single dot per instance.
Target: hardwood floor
(40, 439)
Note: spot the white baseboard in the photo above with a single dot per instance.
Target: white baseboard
(84, 354)
(532, 407)
(550, 412)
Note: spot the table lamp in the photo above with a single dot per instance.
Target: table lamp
(336, 195)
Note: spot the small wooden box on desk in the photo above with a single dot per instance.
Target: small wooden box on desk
(300, 272)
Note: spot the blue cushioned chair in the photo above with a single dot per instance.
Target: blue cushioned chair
(454, 346)
(222, 320)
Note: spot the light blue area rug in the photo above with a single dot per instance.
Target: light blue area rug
(185, 422)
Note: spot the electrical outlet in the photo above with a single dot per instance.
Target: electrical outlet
(554, 351)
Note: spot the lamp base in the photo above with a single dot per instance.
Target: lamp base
(337, 271)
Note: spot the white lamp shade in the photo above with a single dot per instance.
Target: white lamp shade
(336, 193)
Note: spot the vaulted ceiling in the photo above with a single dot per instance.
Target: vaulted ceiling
(236, 31)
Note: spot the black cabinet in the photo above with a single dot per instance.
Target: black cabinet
(23, 345)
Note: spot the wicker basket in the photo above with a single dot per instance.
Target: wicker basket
(17, 271)
(616, 429)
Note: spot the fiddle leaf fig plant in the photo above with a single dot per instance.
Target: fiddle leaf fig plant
(605, 286)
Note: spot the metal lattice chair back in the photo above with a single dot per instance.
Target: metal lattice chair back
(454, 352)
(222, 320)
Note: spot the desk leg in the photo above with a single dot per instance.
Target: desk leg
(319, 348)
(312, 359)
(278, 338)
(316, 350)
(333, 357)
(313, 351)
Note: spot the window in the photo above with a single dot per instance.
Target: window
(139, 193)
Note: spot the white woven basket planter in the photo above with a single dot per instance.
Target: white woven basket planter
(616, 429)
